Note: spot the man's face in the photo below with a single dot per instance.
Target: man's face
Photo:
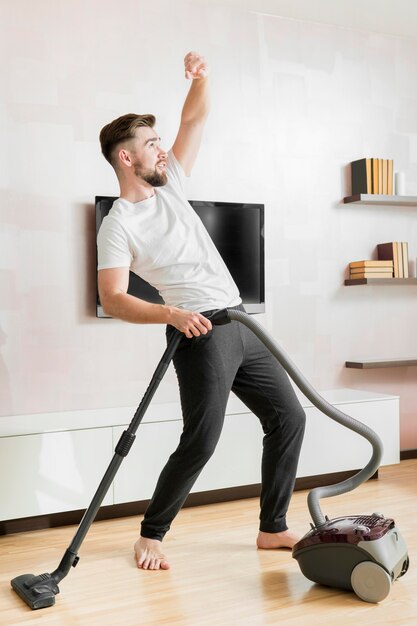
(148, 158)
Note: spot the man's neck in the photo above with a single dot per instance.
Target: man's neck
(136, 192)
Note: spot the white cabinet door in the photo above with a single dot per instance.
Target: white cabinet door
(237, 458)
(139, 471)
(52, 472)
(329, 447)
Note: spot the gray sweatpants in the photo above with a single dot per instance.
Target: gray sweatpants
(229, 357)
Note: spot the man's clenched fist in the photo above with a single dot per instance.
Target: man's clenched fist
(195, 66)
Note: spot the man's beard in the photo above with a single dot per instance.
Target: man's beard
(152, 177)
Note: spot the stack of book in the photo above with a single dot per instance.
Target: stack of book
(371, 269)
(372, 176)
(397, 252)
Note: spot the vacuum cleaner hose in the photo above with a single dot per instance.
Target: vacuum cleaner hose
(324, 406)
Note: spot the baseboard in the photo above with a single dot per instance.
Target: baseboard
(54, 520)
(408, 454)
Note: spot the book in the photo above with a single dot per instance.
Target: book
(375, 175)
(389, 252)
(372, 270)
(370, 275)
(390, 177)
(384, 176)
(371, 263)
(361, 176)
(380, 181)
(400, 258)
(404, 245)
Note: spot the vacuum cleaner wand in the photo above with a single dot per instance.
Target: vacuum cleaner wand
(39, 591)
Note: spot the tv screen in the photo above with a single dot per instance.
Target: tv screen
(237, 230)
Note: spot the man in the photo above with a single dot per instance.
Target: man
(153, 231)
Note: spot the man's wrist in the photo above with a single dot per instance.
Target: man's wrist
(200, 84)
(167, 313)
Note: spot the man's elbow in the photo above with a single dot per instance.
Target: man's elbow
(106, 307)
(109, 302)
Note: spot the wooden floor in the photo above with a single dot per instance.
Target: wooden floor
(218, 578)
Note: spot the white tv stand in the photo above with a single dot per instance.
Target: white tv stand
(51, 463)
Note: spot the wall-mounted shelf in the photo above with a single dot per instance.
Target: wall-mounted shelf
(365, 364)
(380, 281)
(374, 198)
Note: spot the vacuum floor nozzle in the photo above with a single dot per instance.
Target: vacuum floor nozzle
(37, 591)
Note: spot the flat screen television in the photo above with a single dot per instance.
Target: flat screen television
(237, 230)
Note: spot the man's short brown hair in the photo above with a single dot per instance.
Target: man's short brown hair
(122, 129)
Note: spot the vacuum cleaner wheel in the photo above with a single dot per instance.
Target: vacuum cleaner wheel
(370, 581)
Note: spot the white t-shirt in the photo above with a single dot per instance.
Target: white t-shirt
(162, 240)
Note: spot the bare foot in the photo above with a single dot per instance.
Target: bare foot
(271, 541)
(148, 554)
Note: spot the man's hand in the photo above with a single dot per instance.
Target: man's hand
(195, 66)
(190, 323)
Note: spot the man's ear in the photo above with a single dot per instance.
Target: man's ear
(124, 157)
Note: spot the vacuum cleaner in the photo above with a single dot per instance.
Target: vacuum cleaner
(363, 553)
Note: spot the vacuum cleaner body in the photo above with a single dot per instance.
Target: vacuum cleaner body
(363, 553)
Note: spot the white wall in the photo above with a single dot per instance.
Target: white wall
(293, 101)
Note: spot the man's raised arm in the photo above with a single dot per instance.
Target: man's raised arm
(194, 112)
